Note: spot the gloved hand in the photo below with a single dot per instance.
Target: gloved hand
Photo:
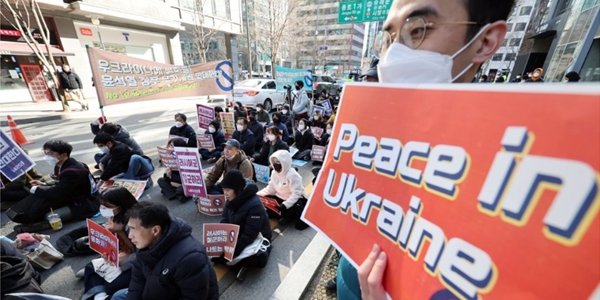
(282, 207)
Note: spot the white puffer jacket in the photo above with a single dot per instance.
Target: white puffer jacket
(286, 184)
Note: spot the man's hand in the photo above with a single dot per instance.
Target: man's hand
(36, 183)
(370, 275)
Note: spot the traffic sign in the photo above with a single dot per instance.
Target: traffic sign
(322, 48)
(357, 11)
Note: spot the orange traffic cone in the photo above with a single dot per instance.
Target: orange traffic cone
(16, 133)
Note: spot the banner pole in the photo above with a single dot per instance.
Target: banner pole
(95, 81)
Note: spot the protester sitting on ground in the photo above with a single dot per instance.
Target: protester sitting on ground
(119, 133)
(286, 187)
(170, 183)
(323, 140)
(258, 130)
(239, 111)
(275, 143)
(124, 164)
(218, 111)
(184, 130)
(170, 262)
(71, 197)
(218, 136)
(572, 77)
(277, 123)
(18, 189)
(304, 140)
(262, 115)
(286, 118)
(318, 120)
(233, 158)
(114, 205)
(244, 208)
(245, 136)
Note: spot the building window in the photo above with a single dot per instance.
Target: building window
(497, 57)
(510, 26)
(509, 56)
(515, 42)
(562, 7)
(520, 26)
(188, 4)
(504, 43)
(525, 11)
(222, 9)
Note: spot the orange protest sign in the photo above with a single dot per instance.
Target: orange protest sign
(220, 239)
(472, 191)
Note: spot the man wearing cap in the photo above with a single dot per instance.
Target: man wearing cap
(371, 74)
(232, 158)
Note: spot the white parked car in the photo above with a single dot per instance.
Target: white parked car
(254, 91)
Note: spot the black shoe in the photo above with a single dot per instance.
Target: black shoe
(31, 228)
(317, 163)
(241, 275)
(301, 225)
(212, 160)
(331, 285)
(184, 199)
(149, 183)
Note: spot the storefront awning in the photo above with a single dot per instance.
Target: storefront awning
(12, 48)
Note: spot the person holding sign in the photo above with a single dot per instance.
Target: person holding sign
(169, 261)
(304, 140)
(318, 120)
(286, 187)
(18, 189)
(184, 130)
(244, 208)
(277, 122)
(244, 136)
(214, 129)
(233, 159)
(170, 183)
(274, 144)
(72, 197)
(114, 205)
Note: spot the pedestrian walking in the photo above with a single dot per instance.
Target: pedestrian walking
(71, 86)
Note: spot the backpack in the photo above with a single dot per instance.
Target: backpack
(18, 275)
(238, 167)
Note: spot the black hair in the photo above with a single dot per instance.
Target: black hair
(218, 109)
(216, 124)
(573, 76)
(182, 116)
(485, 12)
(274, 130)
(260, 105)
(484, 77)
(300, 83)
(110, 128)
(103, 138)
(58, 146)
(330, 124)
(177, 142)
(243, 120)
(150, 214)
(305, 122)
(277, 114)
(121, 197)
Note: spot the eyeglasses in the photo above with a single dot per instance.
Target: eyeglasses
(412, 34)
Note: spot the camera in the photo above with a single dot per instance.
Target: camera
(287, 87)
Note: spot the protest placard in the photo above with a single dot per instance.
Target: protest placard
(317, 108)
(103, 241)
(206, 114)
(262, 173)
(178, 137)
(220, 238)
(298, 162)
(293, 151)
(135, 187)
(205, 141)
(121, 78)
(167, 157)
(190, 170)
(270, 204)
(14, 162)
(469, 199)
(212, 205)
(228, 124)
(327, 106)
(318, 153)
(317, 131)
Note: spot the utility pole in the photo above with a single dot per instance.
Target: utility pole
(315, 41)
(248, 40)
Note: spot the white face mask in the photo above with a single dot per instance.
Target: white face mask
(284, 111)
(107, 212)
(178, 124)
(271, 137)
(239, 127)
(104, 149)
(401, 63)
(328, 131)
(51, 160)
(536, 74)
(258, 109)
(301, 127)
(317, 118)
(211, 129)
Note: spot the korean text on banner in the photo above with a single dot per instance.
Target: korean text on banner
(135, 187)
(459, 184)
(206, 114)
(205, 141)
(120, 78)
(262, 173)
(178, 137)
(220, 239)
(270, 204)
(168, 158)
(103, 241)
(318, 153)
(228, 124)
(14, 162)
(212, 205)
(190, 170)
(287, 76)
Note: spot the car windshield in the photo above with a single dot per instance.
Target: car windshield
(250, 83)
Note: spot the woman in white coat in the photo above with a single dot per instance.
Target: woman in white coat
(286, 187)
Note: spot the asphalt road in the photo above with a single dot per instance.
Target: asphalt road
(149, 123)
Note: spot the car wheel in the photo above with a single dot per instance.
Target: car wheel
(268, 105)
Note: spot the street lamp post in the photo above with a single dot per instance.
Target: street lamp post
(248, 40)
(96, 21)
